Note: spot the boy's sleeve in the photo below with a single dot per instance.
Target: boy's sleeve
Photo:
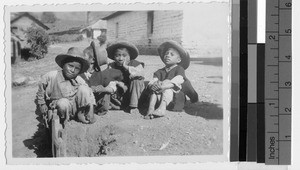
(154, 79)
(41, 93)
(178, 80)
(137, 71)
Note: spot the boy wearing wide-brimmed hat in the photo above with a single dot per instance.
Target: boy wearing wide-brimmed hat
(97, 79)
(124, 55)
(169, 84)
(67, 92)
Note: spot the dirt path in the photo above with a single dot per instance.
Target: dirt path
(176, 134)
(29, 137)
(121, 134)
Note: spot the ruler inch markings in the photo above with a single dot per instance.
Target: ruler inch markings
(278, 84)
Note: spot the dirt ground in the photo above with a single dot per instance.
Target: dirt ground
(196, 131)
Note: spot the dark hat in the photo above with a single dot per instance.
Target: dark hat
(98, 52)
(73, 54)
(133, 51)
(184, 55)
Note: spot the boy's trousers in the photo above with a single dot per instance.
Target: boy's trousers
(83, 98)
(133, 95)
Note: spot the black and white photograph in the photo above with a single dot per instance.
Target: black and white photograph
(119, 81)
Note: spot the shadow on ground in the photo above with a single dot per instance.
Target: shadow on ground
(205, 110)
(216, 61)
(40, 142)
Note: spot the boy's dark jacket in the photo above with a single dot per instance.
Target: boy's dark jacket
(114, 73)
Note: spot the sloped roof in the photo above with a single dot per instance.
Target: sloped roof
(114, 15)
(66, 25)
(28, 15)
(15, 37)
(100, 24)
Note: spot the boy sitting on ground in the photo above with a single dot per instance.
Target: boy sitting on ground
(67, 92)
(131, 74)
(94, 77)
(169, 84)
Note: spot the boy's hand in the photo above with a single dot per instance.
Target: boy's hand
(122, 86)
(166, 84)
(125, 64)
(43, 108)
(113, 86)
(156, 86)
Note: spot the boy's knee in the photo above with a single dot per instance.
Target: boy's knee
(62, 104)
(168, 92)
(137, 84)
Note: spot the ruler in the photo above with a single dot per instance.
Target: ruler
(278, 85)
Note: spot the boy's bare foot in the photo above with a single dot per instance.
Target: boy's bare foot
(101, 113)
(147, 117)
(149, 114)
(92, 120)
(134, 111)
(159, 112)
(81, 117)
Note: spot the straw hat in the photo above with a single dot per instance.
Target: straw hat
(133, 51)
(73, 54)
(184, 55)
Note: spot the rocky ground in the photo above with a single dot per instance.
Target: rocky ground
(196, 131)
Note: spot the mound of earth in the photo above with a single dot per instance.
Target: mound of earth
(121, 134)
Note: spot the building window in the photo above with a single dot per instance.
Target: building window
(117, 30)
(150, 19)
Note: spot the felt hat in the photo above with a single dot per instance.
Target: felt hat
(133, 51)
(184, 55)
(73, 54)
(98, 52)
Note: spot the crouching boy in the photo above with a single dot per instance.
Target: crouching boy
(65, 91)
(131, 73)
(169, 84)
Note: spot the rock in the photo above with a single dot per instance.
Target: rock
(30, 79)
(19, 80)
(31, 82)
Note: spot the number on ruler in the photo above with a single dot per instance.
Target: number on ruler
(288, 31)
(288, 57)
(287, 109)
(289, 4)
(272, 37)
(288, 83)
